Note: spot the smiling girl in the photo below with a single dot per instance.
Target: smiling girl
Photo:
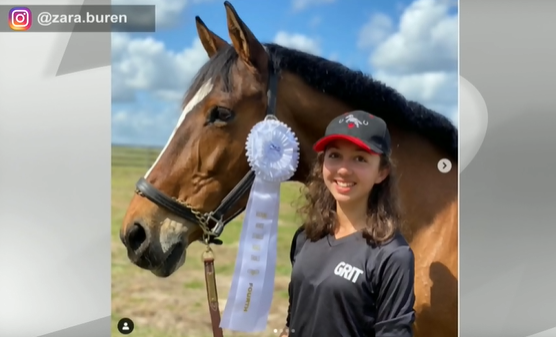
(353, 271)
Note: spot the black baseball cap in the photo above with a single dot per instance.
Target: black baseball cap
(359, 127)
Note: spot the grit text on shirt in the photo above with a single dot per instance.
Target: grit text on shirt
(347, 271)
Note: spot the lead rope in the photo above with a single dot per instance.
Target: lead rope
(212, 292)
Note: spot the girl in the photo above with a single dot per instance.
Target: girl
(352, 269)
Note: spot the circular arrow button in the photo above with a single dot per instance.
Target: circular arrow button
(444, 165)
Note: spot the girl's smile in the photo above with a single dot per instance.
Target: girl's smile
(349, 171)
(343, 187)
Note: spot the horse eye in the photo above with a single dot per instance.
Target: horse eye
(220, 114)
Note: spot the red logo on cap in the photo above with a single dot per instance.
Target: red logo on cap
(351, 125)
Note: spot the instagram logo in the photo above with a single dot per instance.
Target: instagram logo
(19, 18)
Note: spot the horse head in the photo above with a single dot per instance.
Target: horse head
(183, 195)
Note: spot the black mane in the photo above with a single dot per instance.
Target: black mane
(354, 88)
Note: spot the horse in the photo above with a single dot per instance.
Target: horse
(200, 180)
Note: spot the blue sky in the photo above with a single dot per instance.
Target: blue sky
(410, 45)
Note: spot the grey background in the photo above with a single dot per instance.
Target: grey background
(507, 193)
(54, 183)
(55, 178)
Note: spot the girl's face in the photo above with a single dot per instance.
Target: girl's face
(350, 172)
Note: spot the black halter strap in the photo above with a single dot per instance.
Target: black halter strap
(147, 190)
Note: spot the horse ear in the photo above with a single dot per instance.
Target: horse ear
(211, 42)
(249, 49)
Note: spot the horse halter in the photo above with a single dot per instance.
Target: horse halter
(210, 234)
(185, 211)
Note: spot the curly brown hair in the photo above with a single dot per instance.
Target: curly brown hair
(383, 208)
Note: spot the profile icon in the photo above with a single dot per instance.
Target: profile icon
(125, 326)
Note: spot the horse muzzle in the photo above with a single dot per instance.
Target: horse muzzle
(145, 249)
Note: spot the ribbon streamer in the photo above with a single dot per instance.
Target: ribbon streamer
(273, 154)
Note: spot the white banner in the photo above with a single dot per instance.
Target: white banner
(272, 151)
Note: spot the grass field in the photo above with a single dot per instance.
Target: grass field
(176, 306)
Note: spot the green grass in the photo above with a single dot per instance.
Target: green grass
(133, 157)
(177, 306)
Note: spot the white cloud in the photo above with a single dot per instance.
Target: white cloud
(436, 90)
(146, 125)
(375, 30)
(427, 40)
(428, 87)
(298, 41)
(420, 58)
(145, 64)
(299, 5)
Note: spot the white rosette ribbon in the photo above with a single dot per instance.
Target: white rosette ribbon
(273, 154)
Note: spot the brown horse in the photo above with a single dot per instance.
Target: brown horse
(204, 159)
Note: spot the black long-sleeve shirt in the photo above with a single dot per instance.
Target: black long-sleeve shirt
(346, 287)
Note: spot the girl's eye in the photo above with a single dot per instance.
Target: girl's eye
(332, 155)
(360, 159)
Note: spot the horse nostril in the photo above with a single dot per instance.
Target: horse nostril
(136, 236)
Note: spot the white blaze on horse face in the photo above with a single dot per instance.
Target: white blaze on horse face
(172, 230)
(198, 97)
